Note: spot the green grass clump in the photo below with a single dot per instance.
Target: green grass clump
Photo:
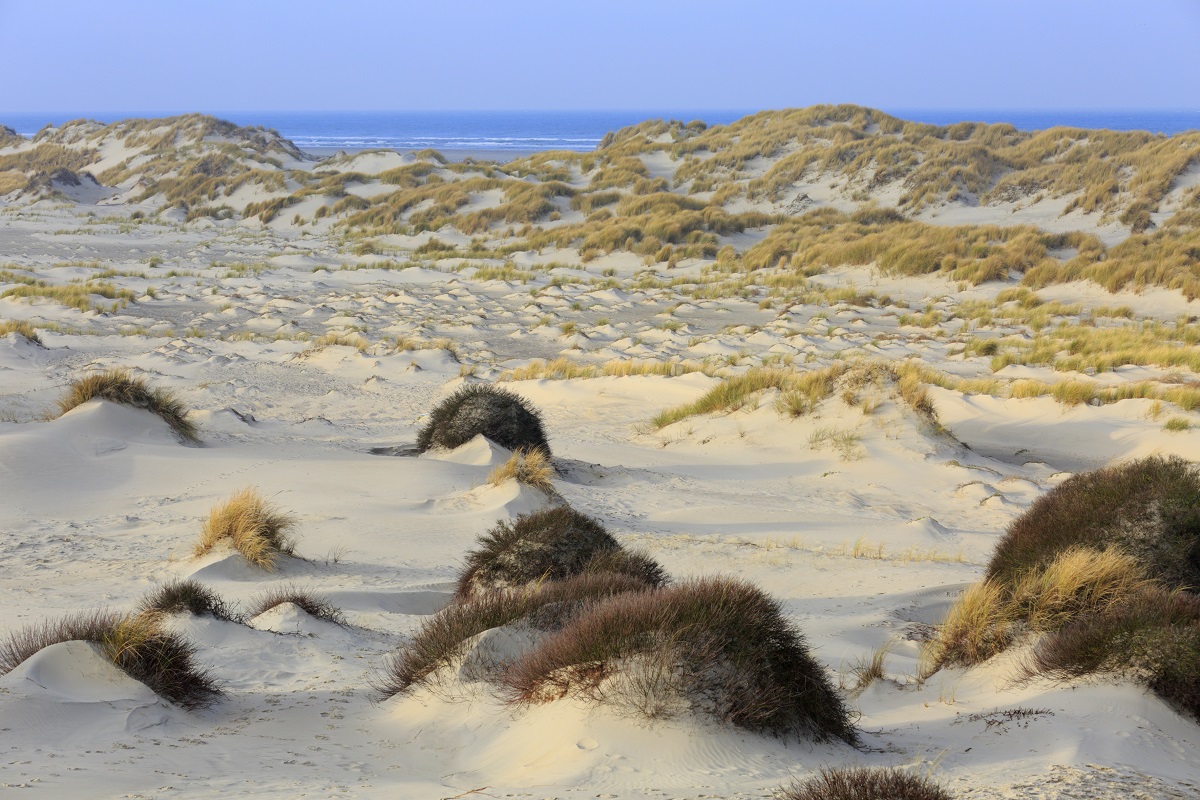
(76, 295)
(120, 386)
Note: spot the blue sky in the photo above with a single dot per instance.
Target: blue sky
(182, 55)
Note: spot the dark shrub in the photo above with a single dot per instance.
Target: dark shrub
(137, 645)
(722, 646)
(178, 597)
(443, 638)
(1149, 509)
(1154, 637)
(502, 416)
(862, 783)
(549, 545)
(311, 604)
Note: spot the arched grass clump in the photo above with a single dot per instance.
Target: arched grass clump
(1150, 509)
(506, 418)
(444, 637)
(312, 604)
(252, 526)
(20, 327)
(187, 597)
(137, 644)
(119, 386)
(548, 545)
(718, 646)
(863, 783)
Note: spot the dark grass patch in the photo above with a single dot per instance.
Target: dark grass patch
(1153, 638)
(549, 545)
(722, 645)
(506, 418)
(863, 783)
(190, 597)
(119, 386)
(312, 604)
(443, 638)
(138, 645)
(1149, 509)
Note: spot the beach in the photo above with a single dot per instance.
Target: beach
(311, 308)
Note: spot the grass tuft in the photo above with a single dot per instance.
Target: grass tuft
(314, 605)
(22, 328)
(178, 597)
(530, 467)
(119, 386)
(865, 783)
(136, 644)
(252, 526)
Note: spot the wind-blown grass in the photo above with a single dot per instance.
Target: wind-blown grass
(120, 386)
(251, 525)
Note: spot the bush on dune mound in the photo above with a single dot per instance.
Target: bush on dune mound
(1105, 569)
(862, 783)
(445, 637)
(715, 646)
(119, 386)
(252, 526)
(550, 545)
(1149, 509)
(312, 604)
(138, 645)
(190, 597)
(506, 418)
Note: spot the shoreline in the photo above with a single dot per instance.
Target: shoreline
(499, 156)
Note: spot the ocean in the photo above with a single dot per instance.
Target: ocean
(526, 131)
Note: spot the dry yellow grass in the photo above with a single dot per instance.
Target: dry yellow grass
(120, 386)
(530, 467)
(991, 615)
(251, 525)
(20, 327)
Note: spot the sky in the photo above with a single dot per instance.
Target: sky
(302, 55)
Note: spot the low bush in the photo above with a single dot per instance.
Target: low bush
(549, 545)
(252, 526)
(715, 646)
(190, 597)
(1149, 508)
(992, 614)
(1152, 637)
(312, 604)
(444, 637)
(864, 783)
(506, 418)
(138, 645)
(119, 386)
